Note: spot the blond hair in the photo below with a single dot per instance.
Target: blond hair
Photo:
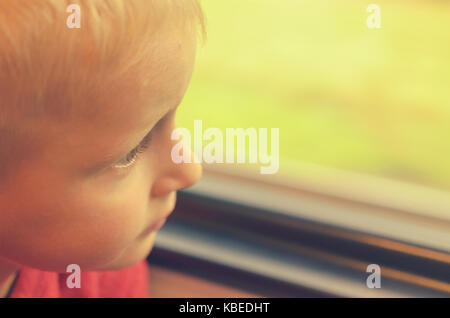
(46, 68)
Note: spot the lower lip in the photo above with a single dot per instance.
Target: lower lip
(155, 227)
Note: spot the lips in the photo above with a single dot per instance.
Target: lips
(159, 224)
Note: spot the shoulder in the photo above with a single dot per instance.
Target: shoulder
(34, 283)
(131, 282)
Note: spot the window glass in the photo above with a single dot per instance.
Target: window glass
(343, 92)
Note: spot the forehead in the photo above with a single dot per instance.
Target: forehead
(120, 111)
(150, 89)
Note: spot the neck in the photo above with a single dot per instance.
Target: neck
(8, 273)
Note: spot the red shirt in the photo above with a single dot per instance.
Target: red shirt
(131, 282)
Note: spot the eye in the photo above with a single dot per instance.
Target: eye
(131, 158)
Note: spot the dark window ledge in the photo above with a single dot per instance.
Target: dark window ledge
(285, 240)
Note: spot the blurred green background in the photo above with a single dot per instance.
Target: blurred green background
(375, 101)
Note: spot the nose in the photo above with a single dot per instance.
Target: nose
(177, 176)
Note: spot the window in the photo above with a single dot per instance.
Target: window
(364, 119)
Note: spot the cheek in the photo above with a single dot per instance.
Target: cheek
(110, 221)
(90, 227)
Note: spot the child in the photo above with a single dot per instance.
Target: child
(86, 116)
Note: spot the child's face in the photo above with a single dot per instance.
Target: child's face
(67, 207)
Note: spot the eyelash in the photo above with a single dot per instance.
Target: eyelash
(133, 155)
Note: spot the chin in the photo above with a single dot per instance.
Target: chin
(134, 254)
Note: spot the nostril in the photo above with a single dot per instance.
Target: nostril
(184, 177)
(190, 175)
(196, 173)
(163, 187)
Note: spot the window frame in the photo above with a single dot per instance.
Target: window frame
(240, 228)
